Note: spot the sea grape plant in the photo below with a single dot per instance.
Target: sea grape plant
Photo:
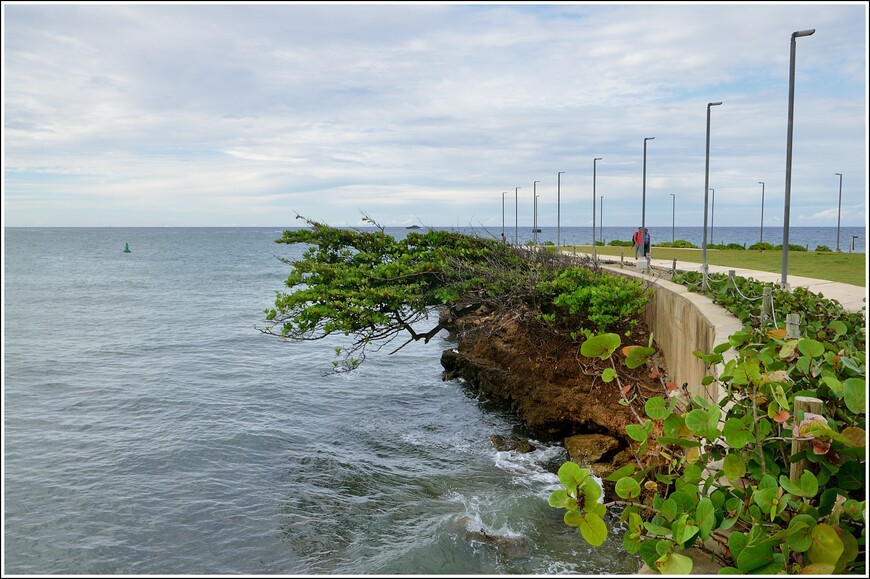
(727, 485)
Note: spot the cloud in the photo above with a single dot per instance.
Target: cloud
(229, 113)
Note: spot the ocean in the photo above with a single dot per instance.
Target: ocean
(151, 428)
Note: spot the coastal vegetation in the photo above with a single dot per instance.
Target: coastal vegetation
(376, 289)
(717, 476)
(770, 480)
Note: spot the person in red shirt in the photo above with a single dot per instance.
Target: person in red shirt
(637, 239)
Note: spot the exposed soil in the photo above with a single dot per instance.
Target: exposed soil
(545, 381)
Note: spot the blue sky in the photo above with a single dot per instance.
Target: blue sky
(146, 114)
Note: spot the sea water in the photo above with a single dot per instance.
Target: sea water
(151, 428)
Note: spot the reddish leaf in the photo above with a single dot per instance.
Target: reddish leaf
(626, 389)
(778, 333)
(781, 416)
(655, 374)
(820, 447)
(671, 386)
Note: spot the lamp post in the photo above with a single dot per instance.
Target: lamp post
(712, 212)
(839, 207)
(559, 208)
(503, 193)
(794, 36)
(673, 214)
(643, 204)
(601, 221)
(761, 234)
(516, 213)
(535, 209)
(593, 204)
(706, 191)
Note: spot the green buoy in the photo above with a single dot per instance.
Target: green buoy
(126, 248)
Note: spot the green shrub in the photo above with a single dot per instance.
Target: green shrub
(728, 476)
(762, 246)
(606, 301)
(680, 243)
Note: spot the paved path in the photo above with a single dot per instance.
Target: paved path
(851, 297)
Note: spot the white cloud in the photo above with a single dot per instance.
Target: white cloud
(217, 114)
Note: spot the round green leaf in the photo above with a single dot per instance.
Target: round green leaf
(838, 327)
(811, 348)
(668, 509)
(638, 356)
(656, 408)
(572, 476)
(674, 564)
(736, 433)
(827, 546)
(558, 498)
(627, 488)
(573, 518)
(798, 535)
(734, 466)
(636, 432)
(705, 516)
(696, 420)
(593, 529)
(608, 375)
(855, 396)
(601, 346)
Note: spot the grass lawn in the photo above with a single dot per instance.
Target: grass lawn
(848, 268)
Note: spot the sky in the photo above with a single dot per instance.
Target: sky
(450, 114)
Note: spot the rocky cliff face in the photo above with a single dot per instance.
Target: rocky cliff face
(547, 383)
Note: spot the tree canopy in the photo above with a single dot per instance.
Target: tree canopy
(375, 288)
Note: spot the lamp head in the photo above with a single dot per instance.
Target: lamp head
(800, 33)
(714, 104)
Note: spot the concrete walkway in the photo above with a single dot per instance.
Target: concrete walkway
(852, 297)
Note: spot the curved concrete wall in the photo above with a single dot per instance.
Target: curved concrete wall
(683, 322)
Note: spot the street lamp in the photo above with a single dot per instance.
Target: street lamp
(643, 204)
(761, 234)
(516, 213)
(535, 209)
(593, 203)
(673, 214)
(839, 207)
(601, 226)
(712, 213)
(558, 208)
(503, 193)
(706, 191)
(794, 35)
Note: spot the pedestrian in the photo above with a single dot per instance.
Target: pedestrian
(646, 242)
(503, 238)
(637, 239)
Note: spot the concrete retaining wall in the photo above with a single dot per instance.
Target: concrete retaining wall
(683, 322)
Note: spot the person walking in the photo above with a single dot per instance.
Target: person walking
(646, 243)
(637, 239)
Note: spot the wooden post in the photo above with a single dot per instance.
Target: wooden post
(765, 303)
(792, 326)
(802, 405)
(674, 266)
(731, 276)
(621, 259)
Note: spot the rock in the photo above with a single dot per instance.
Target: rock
(586, 449)
(520, 445)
